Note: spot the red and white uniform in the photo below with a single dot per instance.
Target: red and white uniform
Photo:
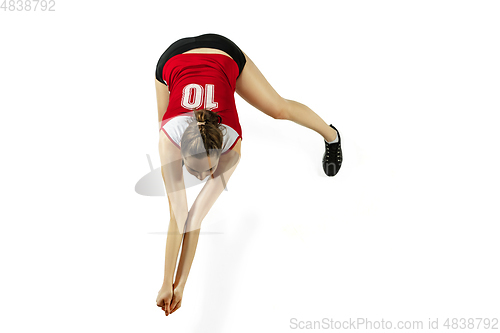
(197, 81)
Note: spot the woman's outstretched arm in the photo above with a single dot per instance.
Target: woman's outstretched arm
(174, 238)
(205, 200)
(171, 170)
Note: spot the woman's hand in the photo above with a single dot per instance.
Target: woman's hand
(177, 298)
(164, 298)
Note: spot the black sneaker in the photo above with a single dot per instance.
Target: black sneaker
(332, 159)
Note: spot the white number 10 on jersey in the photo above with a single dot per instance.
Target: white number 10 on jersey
(193, 97)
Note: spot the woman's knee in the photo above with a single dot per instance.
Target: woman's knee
(274, 108)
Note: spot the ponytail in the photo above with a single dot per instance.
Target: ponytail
(203, 136)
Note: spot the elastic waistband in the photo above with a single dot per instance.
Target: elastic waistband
(213, 41)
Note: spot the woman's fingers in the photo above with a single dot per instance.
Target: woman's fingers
(163, 303)
(173, 304)
(160, 302)
(176, 300)
(167, 309)
(178, 305)
(169, 301)
(164, 298)
(162, 306)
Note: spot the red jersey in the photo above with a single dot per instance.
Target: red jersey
(197, 81)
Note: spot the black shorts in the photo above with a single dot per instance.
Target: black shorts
(212, 41)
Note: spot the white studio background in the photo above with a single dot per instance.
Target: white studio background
(408, 229)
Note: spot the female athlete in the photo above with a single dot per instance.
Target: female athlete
(195, 80)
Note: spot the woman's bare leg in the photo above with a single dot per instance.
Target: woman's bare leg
(253, 87)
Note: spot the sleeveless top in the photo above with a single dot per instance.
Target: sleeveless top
(201, 81)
